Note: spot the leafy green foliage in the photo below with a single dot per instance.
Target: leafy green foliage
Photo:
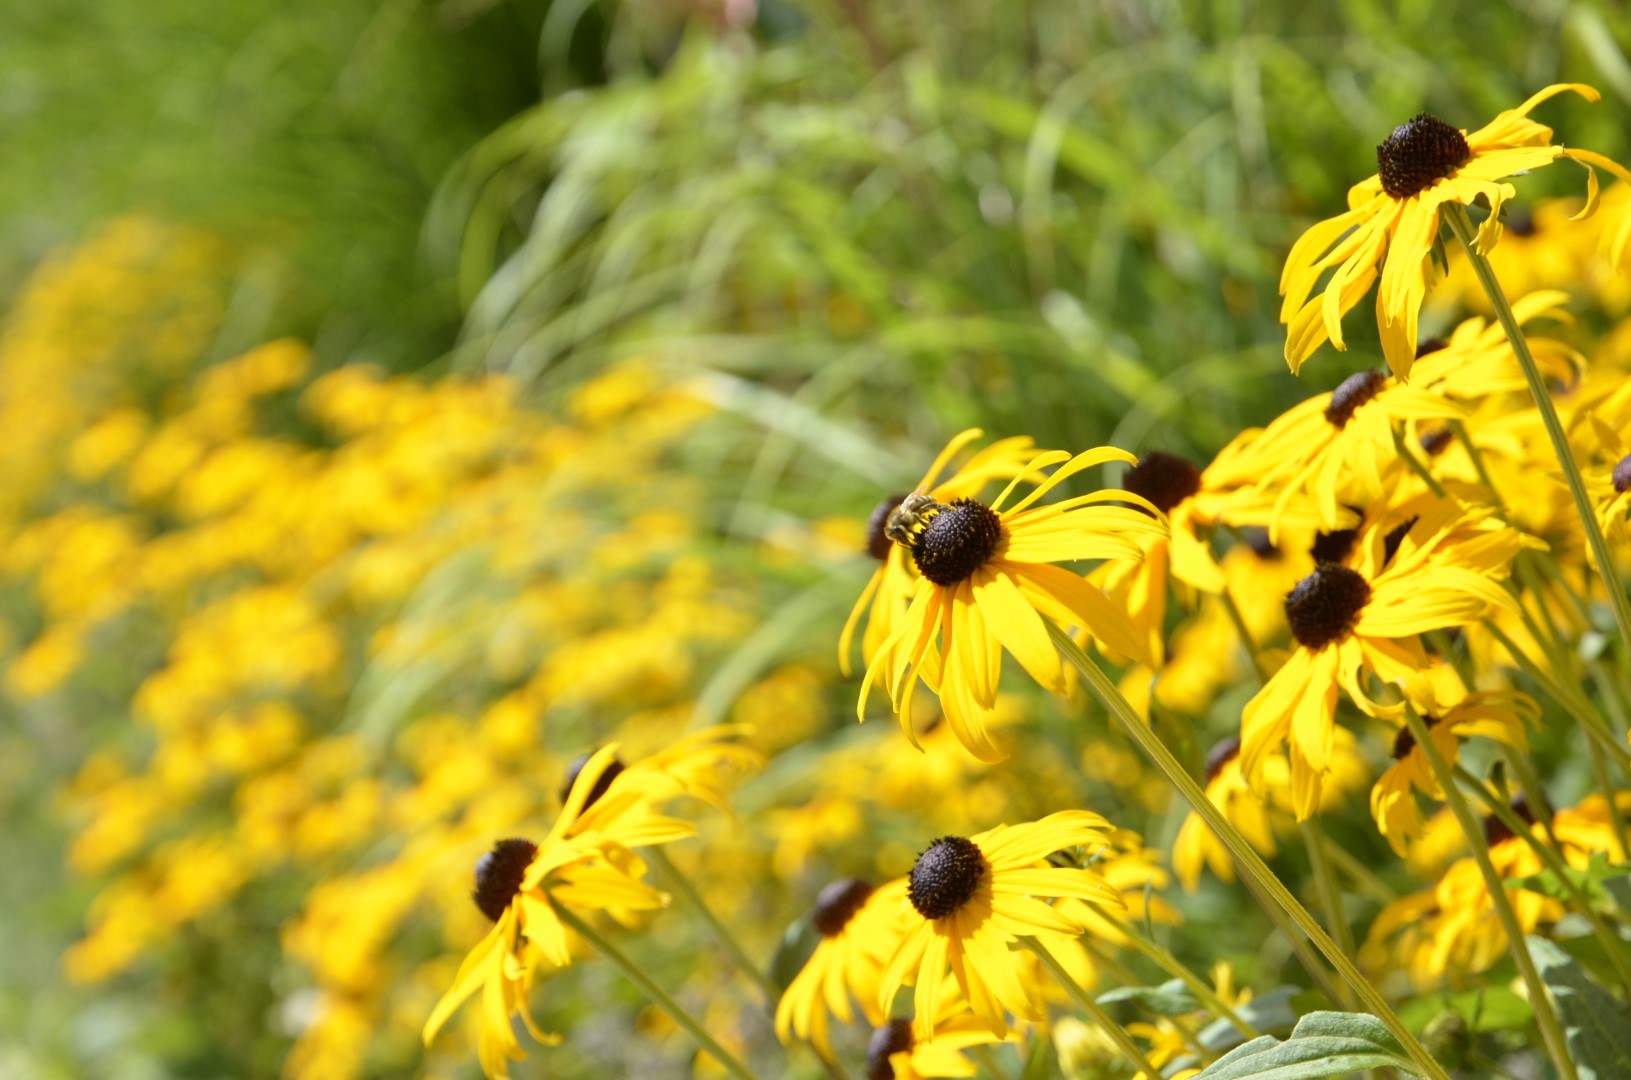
(1322, 1044)
(1597, 1024)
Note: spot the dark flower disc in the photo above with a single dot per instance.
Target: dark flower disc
(895, 1037)
(1434, 442)
(1351, 393)
(945, 877)
(837, 904)
(1405, 740)
(1333, 546)
(1395, 537)
(877, 540)
(1223, 751)
(613, 769)
(1429, 346)
(957, 541)
(1324, 606)
(1164, 479)
(1495, 829)
(1421, 151)
(1622, 474)
(499, 874)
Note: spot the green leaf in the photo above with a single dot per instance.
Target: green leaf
(1591, 881)
(1273, 1011)
(1171, 998)
(1597, 1024)
(1322, 1044)
(1619, 891)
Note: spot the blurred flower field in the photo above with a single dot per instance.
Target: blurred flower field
(469, 467)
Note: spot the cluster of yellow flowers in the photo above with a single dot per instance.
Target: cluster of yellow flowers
(388, 624)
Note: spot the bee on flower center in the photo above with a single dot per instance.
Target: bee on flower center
(499, 874)
(1325, 605)
(837, 904)
(945, 877)
(948, 541)
(878, 539)
(1421, 151)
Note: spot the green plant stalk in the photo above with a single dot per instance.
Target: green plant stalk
(1551, 1031)
(1461, 225)
(1612, 943)
(1124, 975)
(1305, 954)
(1415, 464)
(1162, 958)
(659, 997)
(687, 892)
(681, 883)
(1325, 883)
(1118, 1034)
(1246, 858)
(1580, 710)
(1246, 642)
(1363, 877)
(1459, 429)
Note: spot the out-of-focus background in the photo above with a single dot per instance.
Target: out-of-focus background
(398, 398)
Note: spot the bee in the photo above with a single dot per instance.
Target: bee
(907, 519)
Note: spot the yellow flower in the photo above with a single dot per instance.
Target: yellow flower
(974, 897)
(1611, 485)
(988, 582)
(854, 921)
(904, 1050)
(1451, 714)
(1393, 222)
(1366, 617)
(889, 590)
(1257, 818)
(519, 885)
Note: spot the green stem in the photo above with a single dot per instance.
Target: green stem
(687, 892)
(1612, 943)
(1305, 954)
(1363, 877)
(1576, 707)
(660, 997)
(1239, 620)
(1461, 225)
(1163, 959)
(1325, 883)
(1551, 1031)
(1246, 858)
(1118, 1034)
(1415, 464)
(1459, 429)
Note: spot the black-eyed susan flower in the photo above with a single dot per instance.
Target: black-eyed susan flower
(854, 922)
(1451, 714)
(1257, 817)
(519, 885)
(1611, 483)
(1393, 221)
(1366, 618)
(988, 583)
(888, 591)
(1450, 929)
(903, 1049)
(969, 899)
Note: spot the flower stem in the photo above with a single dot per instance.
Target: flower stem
(1612, 943)
(1246, 642)
(1118, 1034)
(681, 884)
(660, 997)
(1415, 464)
(1461, 225)
(1163, 959)
(1251, 865)
(1325, 883)
(1576, 707)
(1551, 1031)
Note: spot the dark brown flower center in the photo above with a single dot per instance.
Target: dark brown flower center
(1223, 751)
(602, 783)
(945, 877)
(1351, 393)
(1434, 442)
(1264, 548)
(895, 1037)
(837, 904)
(1405, 740)
(877, 540)
(958, 540)
(1495, 829)
(1622, 474)
(1324, 606)
(1421, 151)
(1164, 479)
(1333, 546)
(1395, 537)
(1431, 345)
(499, 874)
